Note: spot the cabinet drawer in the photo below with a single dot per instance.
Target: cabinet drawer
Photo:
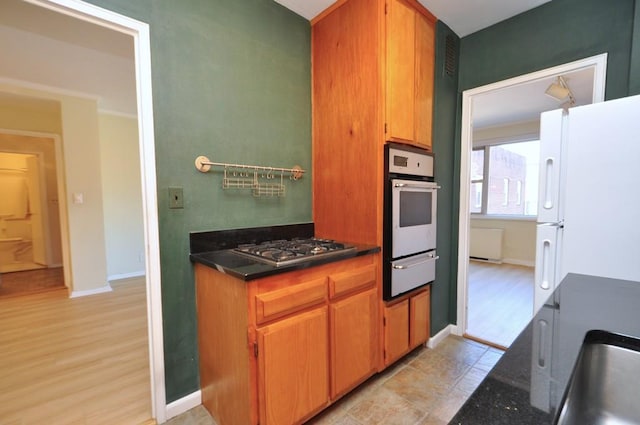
(281, 302)
(352, 281)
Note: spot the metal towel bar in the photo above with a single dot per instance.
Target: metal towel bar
(243, 176)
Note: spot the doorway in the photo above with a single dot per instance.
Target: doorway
(520, 91)
(139, 33)
(30, 250)
(22, 219)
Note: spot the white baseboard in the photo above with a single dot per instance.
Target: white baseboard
(518, 262)
(439, 337)
(101, 290)
(456, 330)
(125, 275)
(180, 406)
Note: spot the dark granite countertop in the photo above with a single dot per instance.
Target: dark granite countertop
(527, 385)
(213, 249)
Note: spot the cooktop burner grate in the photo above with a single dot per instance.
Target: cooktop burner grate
(285, 252)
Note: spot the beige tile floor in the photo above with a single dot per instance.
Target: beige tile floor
(425, 388)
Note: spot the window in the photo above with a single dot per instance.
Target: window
(504, 179)
(477, 177)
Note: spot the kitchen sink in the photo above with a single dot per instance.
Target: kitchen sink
(603, 388)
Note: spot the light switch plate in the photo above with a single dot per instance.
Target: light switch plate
(175, 197)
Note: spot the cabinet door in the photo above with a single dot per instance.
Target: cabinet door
(396, 331)
(293, 368)
(425, 57)
(419, 308)
(401, 67)
(354, 330)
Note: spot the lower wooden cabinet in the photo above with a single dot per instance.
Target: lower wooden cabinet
(354, 342)
(293, 368)
(278, 350)
(419, 311)
(406, 324)
(396, 331)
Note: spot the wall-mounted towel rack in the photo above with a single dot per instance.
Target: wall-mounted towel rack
(263, 181)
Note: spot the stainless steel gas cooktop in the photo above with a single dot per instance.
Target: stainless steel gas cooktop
(286, 252)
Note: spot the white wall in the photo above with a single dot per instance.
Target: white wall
(86, 270)
(512, 132)
(81, 151)
(519, 239)
(122, 196)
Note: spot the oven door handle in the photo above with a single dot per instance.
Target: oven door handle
(416, 264)
(417, 186)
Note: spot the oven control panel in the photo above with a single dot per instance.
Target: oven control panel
(411, 163)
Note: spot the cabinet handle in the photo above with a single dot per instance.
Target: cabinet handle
(416, 264)
(417, 186)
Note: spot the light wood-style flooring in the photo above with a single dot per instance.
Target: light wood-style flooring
(75, 361)
(500, 301)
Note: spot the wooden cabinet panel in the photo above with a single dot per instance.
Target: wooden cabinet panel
(293, 371)
(348, 110)
(351, 281)
(401, 67)
(419, 308)
(396, 331)
(354, 340)
(274, 304)
(224, 356)
(410, 70)
(425, 57)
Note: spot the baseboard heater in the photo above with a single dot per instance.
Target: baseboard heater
(486, 244)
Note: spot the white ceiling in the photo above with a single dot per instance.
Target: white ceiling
(52, 50)
(525, 102)
(462, 16)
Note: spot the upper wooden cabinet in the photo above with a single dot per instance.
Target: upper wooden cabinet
(372, 82)
(410, 52)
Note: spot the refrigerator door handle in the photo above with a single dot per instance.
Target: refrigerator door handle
(546, 258)
(548, 238)
(548, 180)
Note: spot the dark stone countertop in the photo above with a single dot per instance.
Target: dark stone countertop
(213, 249)
(527, 385)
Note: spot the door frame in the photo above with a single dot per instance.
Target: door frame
(598, 62)
(139, 31)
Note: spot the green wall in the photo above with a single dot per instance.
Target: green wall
(557, 32)
(634, 70)
(444, 131)
(232, 81)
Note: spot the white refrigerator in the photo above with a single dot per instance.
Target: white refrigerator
(589, 194)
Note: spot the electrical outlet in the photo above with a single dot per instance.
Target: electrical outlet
(175, 197)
